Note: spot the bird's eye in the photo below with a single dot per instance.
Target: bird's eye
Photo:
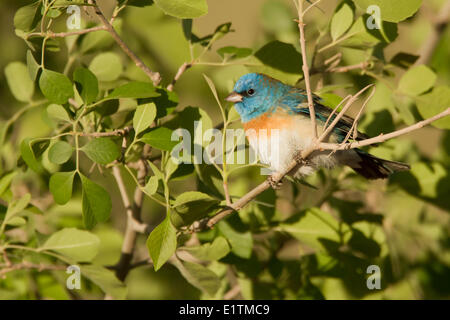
(250, 92)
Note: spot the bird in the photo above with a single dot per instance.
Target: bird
(267, 106)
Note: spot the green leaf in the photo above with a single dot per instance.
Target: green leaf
(312, 226)
(404, 60)
(192, 196)
(231, 53)
(55, 86)
(60, 152)
(30, 152)
(78, 245)
(199, 276)
(392, 11)
(159, 138)
(162, 243)
(60, 186)
(341, 21)
(5, 181)
(279, 60)
(101, 150)
(57, 111)
(152, 186)
(183, 9)
(19, 81)
(87, 84)
(241, 242)
(190, 206)
(277, 17)
(32, 65)
(433, 103)
(106, 66)
(171, 167)
(135, 89)
(186, 25)
(96, 203)
(99, 40)
(156, 171)
(27, 17)
(106, 280)
(363, 38)
(216, 250)
(143, 117)
(417, 80)
(16, 207)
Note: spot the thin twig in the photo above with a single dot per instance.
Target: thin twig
(179, 73)
(301, 27)
(383, 137)
(154, 76)
(53, 35)
(25, 265)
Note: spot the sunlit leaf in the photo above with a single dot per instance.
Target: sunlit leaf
(19, 81)
(162, 243)
(101, 150)
(183, 9)
(76, 244)
(55, 86)
(60, 186)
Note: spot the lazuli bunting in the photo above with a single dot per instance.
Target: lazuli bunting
(265, 104)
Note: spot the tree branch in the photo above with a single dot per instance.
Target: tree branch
(432, 41)
(133, 220)
(301, 28)
(25, 265)
(154, 76)
(179, 73)
(383, 137)
(50, 34)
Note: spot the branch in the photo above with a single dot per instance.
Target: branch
(179, 73)
(25, 265)
(383, 137)
(432, 41)
(133, 220)
(301, 28)
(117, 132)
(154, 76)
(53, 35)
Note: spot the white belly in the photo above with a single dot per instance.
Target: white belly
(279, 149)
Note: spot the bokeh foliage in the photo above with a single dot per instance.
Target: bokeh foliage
(312, 240)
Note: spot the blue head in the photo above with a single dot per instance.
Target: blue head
(255, 93)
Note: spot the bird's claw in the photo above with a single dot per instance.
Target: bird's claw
(276, 185)
(300, 160)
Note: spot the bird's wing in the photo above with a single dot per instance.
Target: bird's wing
(296, 101)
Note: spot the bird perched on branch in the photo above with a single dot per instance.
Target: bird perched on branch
(277, 123)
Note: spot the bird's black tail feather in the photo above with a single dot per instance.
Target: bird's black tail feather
(372, 167)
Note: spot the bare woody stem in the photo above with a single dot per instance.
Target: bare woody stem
(154, 76)
(133, 220)
(179, 73)
(50, 34)
(301, 28)
(383, 137)
(432, 41)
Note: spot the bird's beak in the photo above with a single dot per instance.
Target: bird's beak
(234, 97)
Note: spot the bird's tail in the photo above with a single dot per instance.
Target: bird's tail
(372, 167)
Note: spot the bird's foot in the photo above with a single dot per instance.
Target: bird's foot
(300, 160)
(276, 185)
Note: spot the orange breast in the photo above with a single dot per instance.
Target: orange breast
(269, 122)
